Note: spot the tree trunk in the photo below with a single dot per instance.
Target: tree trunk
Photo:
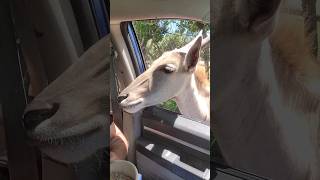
(310, 24)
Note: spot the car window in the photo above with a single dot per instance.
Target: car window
(157, 36)
(154, 37)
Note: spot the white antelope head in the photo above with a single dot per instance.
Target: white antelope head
(166, 78)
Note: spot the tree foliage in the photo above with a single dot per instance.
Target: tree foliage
(158, 36)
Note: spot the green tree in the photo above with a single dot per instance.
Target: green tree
(158, 36)
(150, 30)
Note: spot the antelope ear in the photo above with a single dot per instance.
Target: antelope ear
(260, 15)
(193, 54)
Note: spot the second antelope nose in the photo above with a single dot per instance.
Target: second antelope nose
(122, 97)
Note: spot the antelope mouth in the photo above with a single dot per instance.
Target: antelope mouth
(40, 131)
(67, 143)
(42, 140)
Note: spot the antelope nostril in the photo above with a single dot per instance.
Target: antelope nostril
(122, 97)
(33, 118)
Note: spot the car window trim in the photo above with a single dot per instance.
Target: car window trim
(163, 121)
(175, 164)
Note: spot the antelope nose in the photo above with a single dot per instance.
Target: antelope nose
(122, 97)
(33, 118)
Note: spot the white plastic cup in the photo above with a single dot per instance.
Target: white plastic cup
(124, 167)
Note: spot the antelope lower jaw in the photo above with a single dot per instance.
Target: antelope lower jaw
(72, 144)
(46, 133)
(75, 151)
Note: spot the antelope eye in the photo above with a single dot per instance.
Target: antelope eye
(169, 68)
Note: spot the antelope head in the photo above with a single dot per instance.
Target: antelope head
(68, 120)
(166, 78)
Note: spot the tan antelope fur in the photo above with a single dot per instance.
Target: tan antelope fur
(174, 75)
(76, 125)
(267, 95)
